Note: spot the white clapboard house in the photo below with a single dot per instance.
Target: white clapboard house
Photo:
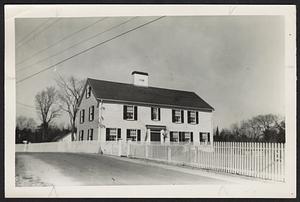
(112, 111)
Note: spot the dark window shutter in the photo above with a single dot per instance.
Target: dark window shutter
(182, 116)
(189, 116)
(93, 110)
(138, 135)
(83, 113)
(119, 133)
(208, 137)
(92, 134)
(201, 138)
(107, 134)
(135, 112)
(192, 139)
(128, 133)
(152, 113)
(180, 137)
(197, 118)
(173, 115)
(124, 112)
(159, 114)
(89, 113)
(171, 136)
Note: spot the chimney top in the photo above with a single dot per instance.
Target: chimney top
(137, 72)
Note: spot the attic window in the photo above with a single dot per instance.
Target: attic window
(88, 91)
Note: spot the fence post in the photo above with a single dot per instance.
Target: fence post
(120, 148)
(169, 154)
(128, 149)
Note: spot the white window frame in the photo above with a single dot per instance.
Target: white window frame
(82, 112)
(88, 91)
(177, 134)
(89, 134)
(155, 111)
(114, 135)
(205, 138)
(135, 135)
(81, 133)
(129, 106)
(91, 112)
(195, 117)
(176, 115)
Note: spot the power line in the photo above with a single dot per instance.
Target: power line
(76, 44)
(25, 105)
(36, 28)
(86, 50)
(48, 26)
(54, 44)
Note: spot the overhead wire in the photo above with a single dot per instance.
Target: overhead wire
(48, 26)
(88, 49)
(74, 45)
(59, 41)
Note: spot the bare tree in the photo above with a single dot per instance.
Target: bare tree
(25, 122)
(70, 92)
(46, 101)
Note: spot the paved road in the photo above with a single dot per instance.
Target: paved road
(39, 169)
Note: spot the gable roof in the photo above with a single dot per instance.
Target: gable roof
(114, 91)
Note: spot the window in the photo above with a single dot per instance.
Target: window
(88, 91)
(81, 135)
(113, 134)
(204, 138)
(177, 116)
(193, 117)
(133, 134)
(129, 112)
(90, 134)
(91, 113)
(176, 136)
(82, 116)
(155, 113)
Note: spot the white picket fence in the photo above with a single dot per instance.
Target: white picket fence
(259, 160)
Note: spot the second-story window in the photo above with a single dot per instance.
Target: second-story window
(177, 116)
(91, 113)
(81, 116)
(129, 112)
(88, 91)
(155, 113)
(192, 117)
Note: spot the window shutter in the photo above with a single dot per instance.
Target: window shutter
(119, 133)
(92, 134)
(189, 116)
(171, 136)
(83, 112)
(135, 112)
(192, 137)
(208, 137)
(89, 113)
(152, 113)
(201, 138)
(107, 134)
(197, 118)
(138, 135)
(124, 112)
(182, 116)
(173, 115)
(127, 133)
(180, 136)
(159, 114)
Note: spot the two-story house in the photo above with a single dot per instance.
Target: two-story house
(111, 111)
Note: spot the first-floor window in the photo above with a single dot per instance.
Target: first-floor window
(81, 135)
(113, 134)
(176, 136)
(204, 138)
(90, 134)
(133, 134)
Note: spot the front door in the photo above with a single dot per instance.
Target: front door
(155, 135)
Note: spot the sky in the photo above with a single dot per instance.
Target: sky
(235, 63)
